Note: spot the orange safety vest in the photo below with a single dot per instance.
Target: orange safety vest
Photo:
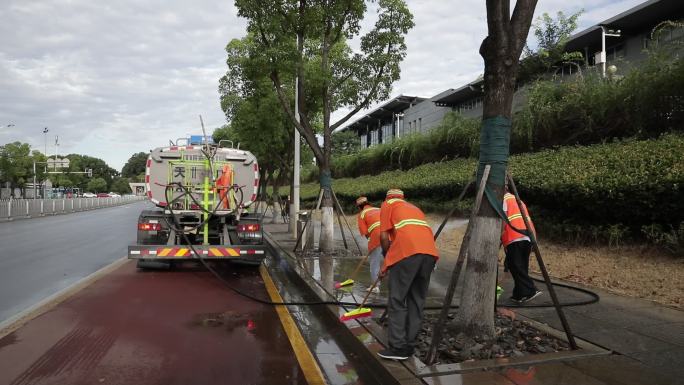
(223, 184)
(515, 218)
(407, 228)
(369, 222)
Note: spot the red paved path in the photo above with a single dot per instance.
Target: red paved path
(170, 327)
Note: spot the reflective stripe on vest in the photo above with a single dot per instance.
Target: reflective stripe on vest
(516, 220)
(407, 222)
(373, 226)
(394, 200)
(363, 213)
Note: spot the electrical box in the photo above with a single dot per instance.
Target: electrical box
(600, 57)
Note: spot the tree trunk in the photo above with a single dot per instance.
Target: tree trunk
(501, 51)
(326, 242)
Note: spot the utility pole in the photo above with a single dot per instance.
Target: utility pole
(294, 206)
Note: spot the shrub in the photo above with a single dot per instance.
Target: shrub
(604, 192)
(645, 103)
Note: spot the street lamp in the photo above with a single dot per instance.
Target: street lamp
(45, 131)
(606, 32)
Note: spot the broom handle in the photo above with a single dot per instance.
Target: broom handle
(370, 291)
(358, 267)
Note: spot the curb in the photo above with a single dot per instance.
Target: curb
(389, 372)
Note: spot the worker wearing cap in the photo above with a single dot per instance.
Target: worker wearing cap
(368, 221)
(517, 247)
(410, 258)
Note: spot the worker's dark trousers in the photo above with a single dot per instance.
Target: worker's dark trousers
(408, 285)
(518, 261)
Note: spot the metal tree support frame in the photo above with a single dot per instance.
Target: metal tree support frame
(339, 212)
(542, 267)
(438, 329)
(462, 255)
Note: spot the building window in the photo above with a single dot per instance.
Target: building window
(420, 124)
(387, 132)
(615, 52)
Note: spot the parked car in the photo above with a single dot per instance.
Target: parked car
(89, 195)
(102, 195)
(114, 195)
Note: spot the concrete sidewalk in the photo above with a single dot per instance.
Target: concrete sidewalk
(647, 339)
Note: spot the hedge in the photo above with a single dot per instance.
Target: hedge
(600, 191)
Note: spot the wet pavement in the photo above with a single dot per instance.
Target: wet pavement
(44, 255)
(645, 338)
(161, 327)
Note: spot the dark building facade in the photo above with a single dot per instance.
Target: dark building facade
(621, 41)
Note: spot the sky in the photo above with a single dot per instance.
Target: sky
(112, 78)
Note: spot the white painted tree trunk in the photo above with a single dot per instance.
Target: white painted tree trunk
(476, 313)
(326, 241)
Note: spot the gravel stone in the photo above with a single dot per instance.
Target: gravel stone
(513, 338)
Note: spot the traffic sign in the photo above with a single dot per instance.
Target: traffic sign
(58, 163)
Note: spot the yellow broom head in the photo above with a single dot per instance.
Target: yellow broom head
(345, 283)
(356, 313)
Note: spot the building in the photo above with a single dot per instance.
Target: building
(621, 40)
(385, 122)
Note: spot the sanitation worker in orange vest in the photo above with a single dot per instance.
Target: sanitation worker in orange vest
(410, 258)
(517, 247)
(223, 184)
(368, 221)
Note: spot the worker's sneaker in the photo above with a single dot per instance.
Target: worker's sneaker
(375, 290)
(392, 355)
(531, 297)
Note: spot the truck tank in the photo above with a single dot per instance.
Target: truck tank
(189, 166)
(202, 195)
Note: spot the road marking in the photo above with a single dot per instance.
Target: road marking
(22, 318)
(312, 372)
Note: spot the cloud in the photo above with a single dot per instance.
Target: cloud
(115, 78)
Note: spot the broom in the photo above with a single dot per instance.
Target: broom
(361, 311)
(351, 279)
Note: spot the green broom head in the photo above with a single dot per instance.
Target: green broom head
(356, 313)
(344, 283)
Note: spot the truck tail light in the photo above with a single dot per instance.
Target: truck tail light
(248, 228)
(149, 226)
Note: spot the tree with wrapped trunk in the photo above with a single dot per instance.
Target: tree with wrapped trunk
(501, 49)
(293, 35)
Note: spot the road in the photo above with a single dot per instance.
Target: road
(155, 327)
(39, 257)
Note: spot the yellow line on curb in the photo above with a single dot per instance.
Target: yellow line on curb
(17, 321)
(312, 372)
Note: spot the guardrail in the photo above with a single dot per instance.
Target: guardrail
(11, 209)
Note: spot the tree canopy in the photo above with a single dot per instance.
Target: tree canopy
(551, 35)
(291, 38)
(135, 165)
(97, 185)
